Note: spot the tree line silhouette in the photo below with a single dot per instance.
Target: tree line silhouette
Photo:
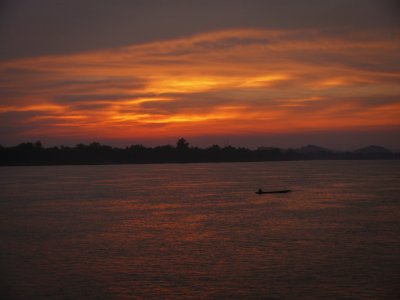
(96, 153)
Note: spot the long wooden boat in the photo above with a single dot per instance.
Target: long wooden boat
(273, 192)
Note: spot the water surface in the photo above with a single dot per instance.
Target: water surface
(179, 231)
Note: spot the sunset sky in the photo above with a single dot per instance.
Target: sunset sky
(246, 73)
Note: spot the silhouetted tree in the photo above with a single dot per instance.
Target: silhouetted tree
(96, 153)
(182, 144)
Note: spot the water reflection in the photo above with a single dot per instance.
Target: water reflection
(123, 232)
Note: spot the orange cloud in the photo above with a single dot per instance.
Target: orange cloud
(235, 81)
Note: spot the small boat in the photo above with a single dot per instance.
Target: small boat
(259, 192)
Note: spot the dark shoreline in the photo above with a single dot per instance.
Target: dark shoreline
(181, 163)
(34, 154)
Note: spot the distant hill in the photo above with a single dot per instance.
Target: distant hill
(373, 150)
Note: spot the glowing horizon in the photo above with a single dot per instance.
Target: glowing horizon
(238, 81)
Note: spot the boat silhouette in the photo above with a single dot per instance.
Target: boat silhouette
(260, 191)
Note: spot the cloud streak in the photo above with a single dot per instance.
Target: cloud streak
(242, 81)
